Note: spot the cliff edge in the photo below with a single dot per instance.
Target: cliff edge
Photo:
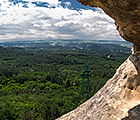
(119, 99)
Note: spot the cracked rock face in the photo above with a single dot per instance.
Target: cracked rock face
(119, 99)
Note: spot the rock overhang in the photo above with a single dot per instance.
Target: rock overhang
(126, 15)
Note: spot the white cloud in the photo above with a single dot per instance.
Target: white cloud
(49, 1)
(41, 23)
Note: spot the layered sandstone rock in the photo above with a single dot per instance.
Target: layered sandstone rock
(119, 99)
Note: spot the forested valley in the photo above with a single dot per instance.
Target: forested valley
(43, 83)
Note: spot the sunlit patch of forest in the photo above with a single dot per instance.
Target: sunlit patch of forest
(43, 84)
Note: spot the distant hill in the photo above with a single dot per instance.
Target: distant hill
(113, 46)
(97, 46)
(2, 48)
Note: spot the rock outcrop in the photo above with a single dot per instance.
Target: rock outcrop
(119, 99)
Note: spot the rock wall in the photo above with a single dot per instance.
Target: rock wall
(119, 99)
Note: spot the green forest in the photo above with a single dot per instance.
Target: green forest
(40, 83)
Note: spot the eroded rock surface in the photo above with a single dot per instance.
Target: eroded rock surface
(120, 94)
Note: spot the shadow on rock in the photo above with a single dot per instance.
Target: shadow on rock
(133, 113)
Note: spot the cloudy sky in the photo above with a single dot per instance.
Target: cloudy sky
(53, 19)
